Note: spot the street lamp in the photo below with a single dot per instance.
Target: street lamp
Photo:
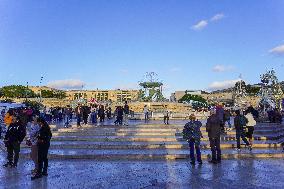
(40, 97)
(27, 89)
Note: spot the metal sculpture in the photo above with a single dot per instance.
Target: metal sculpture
(240, 94)
(152, 88)
(270, 92)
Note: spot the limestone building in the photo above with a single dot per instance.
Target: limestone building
(104, 95)
(177, 95)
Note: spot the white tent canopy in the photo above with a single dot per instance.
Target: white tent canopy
(8, 106)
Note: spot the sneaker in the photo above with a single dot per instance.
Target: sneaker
(192, 162)
(238, 149)
(200, 163)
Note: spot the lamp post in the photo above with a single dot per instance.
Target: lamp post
(40, 97)
(27, 89)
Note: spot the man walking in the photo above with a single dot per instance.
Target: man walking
(15, 134)
(213, 127)
(240, 122)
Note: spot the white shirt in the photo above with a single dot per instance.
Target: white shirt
(251, 121)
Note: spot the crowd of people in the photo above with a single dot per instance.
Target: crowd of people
(98, 113)
(26, 124)
(32, 126)
(244, 122)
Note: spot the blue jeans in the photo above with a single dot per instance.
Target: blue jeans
(66, 120)
(78, 120)
(94, 117)
(192, 145)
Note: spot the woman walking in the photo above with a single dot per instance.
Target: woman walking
(43, 144)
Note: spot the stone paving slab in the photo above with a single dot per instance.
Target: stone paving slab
(152, 138)
(153, 154)
(149, 145)
(130, 133)
(88, 174)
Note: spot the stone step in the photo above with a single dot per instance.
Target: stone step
(123, 129)
(139, 128)
(266, 131)
(117, 145)
(158, 137)
(150, 129)
(151, 138)
(98, 133)
(157, 154)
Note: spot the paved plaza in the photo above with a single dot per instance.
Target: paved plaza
(149, 155)
(268, 173)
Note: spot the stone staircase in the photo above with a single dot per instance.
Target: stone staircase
(154, 142)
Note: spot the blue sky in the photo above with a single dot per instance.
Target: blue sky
(111, 44)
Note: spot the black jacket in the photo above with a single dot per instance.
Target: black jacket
(213, 126)
(44, 136)
(16, 132)
(126, 109)
(240, 122)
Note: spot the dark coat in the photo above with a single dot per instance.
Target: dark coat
(101, 112)
(120, 112)
(44, 136)
(240, 122)
(16, 132)
(213, 126)
(126, 109)
(78, 111)
(192, 131)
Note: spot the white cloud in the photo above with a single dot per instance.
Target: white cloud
(200, 25)
(203, 23)
(222, 68)
(66, 84)
(217, 17)
(218, 85)
(279, 50)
